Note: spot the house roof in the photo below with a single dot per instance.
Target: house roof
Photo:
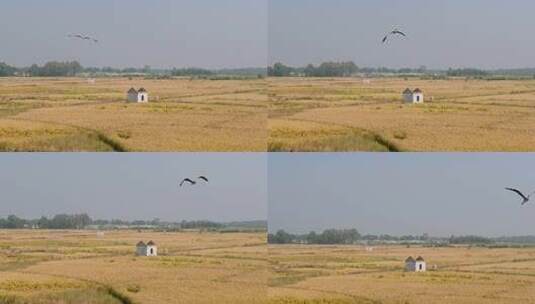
(409, 259)
(417, 91)
(141, 244)
(132, 90)
(141, 90)
(407, 91)
(151, 243)
(420, 259)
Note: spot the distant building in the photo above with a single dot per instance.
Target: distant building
(148, 249)
(416, 96)
(413, 265)
(138, 96)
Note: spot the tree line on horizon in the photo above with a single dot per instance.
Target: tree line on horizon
(83, 221)
(73, 68)
(352, 236)
(349, 68)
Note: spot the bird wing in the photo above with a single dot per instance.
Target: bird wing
(399, 32)
(384, 39)
(203, 178)
(517, 192)
(186, 180)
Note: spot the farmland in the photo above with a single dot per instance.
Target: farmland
(352, 274)
(89, 267)
(355, 114)
(79, 114)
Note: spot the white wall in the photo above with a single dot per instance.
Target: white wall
(138, 97)
(143, 97)
(420, 266)
(413, 98)
(147, 251)
(418, 98)
(152, 251)
(417, 266)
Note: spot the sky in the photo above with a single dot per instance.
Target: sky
(485, 34)
(133, 33)
(134, 186)
(400, 194)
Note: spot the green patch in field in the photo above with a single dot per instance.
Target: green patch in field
(66, 142)
(76, 296)
(27, 286)
(327, 140)
(285, 277)
(13, 108)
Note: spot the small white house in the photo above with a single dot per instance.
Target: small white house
(148, 249)
(138, 96)
(416, 96)
(413, 265)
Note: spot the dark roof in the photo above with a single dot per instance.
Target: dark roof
(132, 90)
(141, 90)
(420, 259)
(417, 91)
(140, 244)
(151, 243)
(407, 91)
(409, 259)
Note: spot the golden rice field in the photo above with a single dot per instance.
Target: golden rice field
(351, 274)
(67, 267)
(77, 114)
(354, 114)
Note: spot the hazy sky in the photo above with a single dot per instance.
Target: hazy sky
(439, 194)
(456, 33)
(134, 186)
(160, 33)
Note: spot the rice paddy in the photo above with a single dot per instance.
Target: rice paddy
(352, 114)
(352, 274)
(88, 267)
(183, 115)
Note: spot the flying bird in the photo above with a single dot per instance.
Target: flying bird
(394, 32)
(187, 180)
(525, 199)
(203, 178)
(83, 37)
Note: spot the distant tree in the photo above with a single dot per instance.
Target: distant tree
(466, 72)
(331, 69)
(12, 222)
(43, 223)
(469, 239)
(6, 70)
(191, 72)
(56, 69)
(281, 237)
(280, 70)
